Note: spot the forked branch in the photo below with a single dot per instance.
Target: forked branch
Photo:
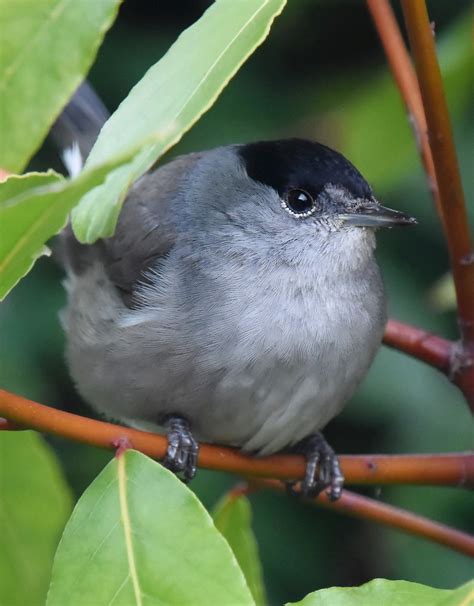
(424, 98)
(444, 155)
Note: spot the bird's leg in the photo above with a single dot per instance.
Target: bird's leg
(322, 469)
(183, 449)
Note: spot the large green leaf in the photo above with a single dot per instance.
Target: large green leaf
(169, 99)
(34, 506)
(390, 593)
(33, 208)
(233, 518)
(139, 536)
(47, 48)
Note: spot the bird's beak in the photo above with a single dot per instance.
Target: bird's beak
(376, 215)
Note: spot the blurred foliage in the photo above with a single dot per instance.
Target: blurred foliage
(35, 504)
(316, 75)
(233, 519)
(442, 295)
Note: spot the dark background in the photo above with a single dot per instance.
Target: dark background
(320, 74)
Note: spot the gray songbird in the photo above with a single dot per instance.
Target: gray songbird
(239, 301)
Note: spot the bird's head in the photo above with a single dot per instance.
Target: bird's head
(291, 193)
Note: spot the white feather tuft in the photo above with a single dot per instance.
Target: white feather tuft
(72, 159)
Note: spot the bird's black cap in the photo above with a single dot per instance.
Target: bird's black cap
(298, 163)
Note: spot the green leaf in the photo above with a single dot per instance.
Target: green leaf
(233, 518)
(170, 98)
(16, 185)
(34, 506)
(16, 257)
(33, 208)
(462, 596)
(47, 49)
(139, 536)
(388, 593)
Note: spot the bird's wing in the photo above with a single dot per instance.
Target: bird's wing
(80, 122)
(145, 229)
(144, 234)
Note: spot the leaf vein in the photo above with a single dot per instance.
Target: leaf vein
(218, 58)
(127, 529)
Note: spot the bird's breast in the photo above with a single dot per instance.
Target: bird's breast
(289, 358)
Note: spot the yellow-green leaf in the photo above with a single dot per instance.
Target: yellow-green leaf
(390, 593)
(34, 505)
(170, 98)
(33, 208)
(233, 518)
(138, 536)
(47, 47)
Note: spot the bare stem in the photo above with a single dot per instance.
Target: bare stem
(366, 508)
(456, 469)
(405, 78)
(448, 177)
(422, 93)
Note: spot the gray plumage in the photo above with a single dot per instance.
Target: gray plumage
(215, 302)
(254, 326)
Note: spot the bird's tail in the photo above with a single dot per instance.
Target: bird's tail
(78, 126)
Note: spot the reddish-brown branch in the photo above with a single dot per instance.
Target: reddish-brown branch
(455, 469)
(406, 80)
(434, 138)
(358, 506)
(447, 356)
(446, 166)
(429, 348)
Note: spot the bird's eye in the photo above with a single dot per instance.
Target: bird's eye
(299, 203)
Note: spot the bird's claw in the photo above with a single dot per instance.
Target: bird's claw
(181, 455)
(322, 470)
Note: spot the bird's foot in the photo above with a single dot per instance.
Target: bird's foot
(322, 469)
(182, 453)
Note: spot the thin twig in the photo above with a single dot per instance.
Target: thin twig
(366, 508)
(405, 78)
(446, 166)
(455, 469)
